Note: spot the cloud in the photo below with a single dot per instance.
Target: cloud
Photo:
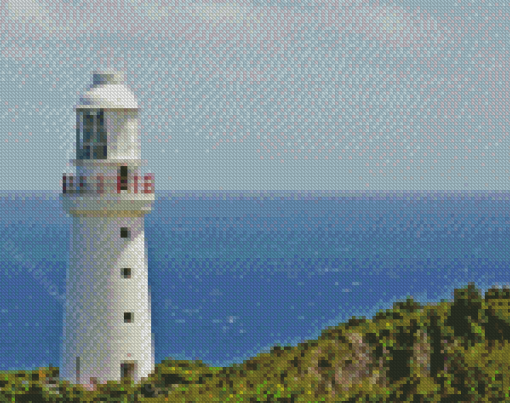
(26, 8)
(390, 23)
(30, 11)
(209, 13)
(194, 18)
(226, 13)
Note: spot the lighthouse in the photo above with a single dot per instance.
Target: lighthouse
(107, 320)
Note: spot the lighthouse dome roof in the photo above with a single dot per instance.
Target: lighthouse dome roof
(108, 92)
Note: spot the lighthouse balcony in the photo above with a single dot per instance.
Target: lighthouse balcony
(107, 185)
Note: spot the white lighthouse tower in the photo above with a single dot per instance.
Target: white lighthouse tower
(107, 323)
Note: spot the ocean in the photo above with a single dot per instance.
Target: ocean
(233, 273)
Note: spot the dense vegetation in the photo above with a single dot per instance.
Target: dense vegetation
(454, 351)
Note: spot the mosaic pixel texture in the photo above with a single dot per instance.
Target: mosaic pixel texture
(301, 103)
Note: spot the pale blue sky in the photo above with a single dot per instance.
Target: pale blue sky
(345, 95)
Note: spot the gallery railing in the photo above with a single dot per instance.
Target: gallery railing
(107, 185)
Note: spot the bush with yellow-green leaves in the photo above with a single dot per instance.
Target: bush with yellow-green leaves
(453, 351)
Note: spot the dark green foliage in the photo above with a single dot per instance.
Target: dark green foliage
(173, 379)
(410, 305)
(452, 399)
(466, 311)
(497, 293)
(324, 363)
(437, 354)
(497, 324)
(149, 390)
(382, 315)
(353, 322)
(497, 329)
(34, 393)
(399, 365)
(455, 351)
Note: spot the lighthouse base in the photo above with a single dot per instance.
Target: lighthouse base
(107, 320)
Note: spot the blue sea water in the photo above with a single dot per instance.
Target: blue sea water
(234, 273)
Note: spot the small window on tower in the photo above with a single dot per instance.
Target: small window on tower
(126, 273)
(127, 370)
(123, 178)
(124, 232)
(128, 317)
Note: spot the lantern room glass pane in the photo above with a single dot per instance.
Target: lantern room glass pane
(100, 138)
(79, 130)
(91, 135)
(88, 127)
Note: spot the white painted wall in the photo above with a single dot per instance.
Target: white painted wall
(123, 138)
(98, 296)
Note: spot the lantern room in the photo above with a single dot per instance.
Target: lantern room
(107, 120)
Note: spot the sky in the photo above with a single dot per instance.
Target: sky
(332, 95)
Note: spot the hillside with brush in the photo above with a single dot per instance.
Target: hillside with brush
(452, 351)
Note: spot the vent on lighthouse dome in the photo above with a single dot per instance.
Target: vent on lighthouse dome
(108, 77)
